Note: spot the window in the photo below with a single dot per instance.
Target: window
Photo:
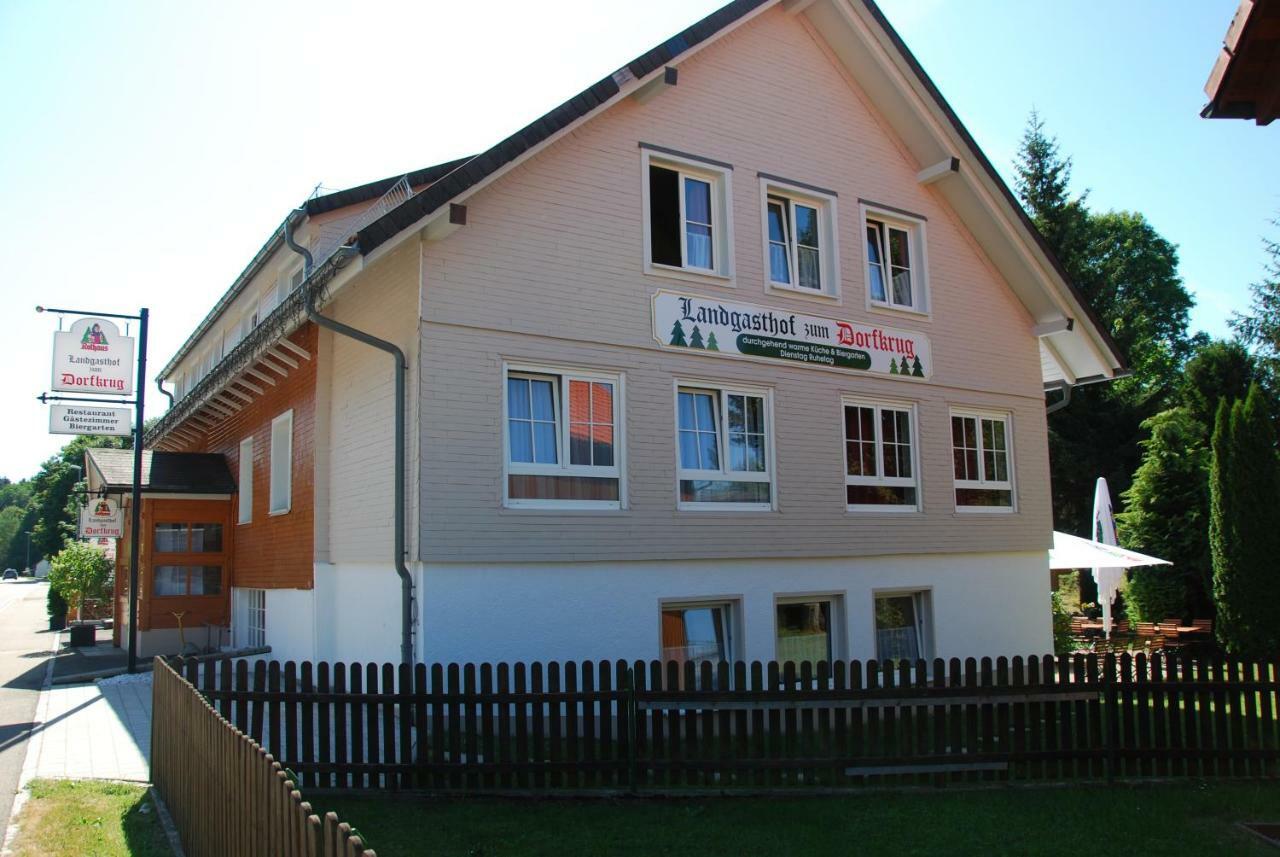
(880, 466)
(186, 580)
(563, 439)
(245, 497)
(895, 261)
(805, 630)
(268, 304)
(686, 217)
(697, 632)
(983, 468)
(723, 448)
(282, 463)
(902, 626)
(800, 246)
(249, 617)
(188, 538)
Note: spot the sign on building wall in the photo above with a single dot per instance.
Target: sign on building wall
(90, 419)
(93, 357)
(101, 519)
(717, 328)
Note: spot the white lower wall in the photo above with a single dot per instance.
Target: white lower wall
(982, 605)
(291, 626)
(357, 612)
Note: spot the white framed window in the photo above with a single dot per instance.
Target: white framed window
(244, 495)
(267, 305)
(880, 453)
(688, 230)
(896, 261)
(232, 336)
(249, 617)
(282, 463)
(904, 625)
(563, 438)
(699, 631)
(724, 447)
(982, 453)
(800, 232)
(807, 627)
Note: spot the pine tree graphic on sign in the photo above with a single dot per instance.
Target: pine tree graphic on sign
(917, 370)
(695, 338)
(712, 345)
(893, 366)
(677, 335)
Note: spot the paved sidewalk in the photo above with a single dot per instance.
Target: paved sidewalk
(93, 731)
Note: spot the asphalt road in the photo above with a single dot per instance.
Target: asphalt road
(24, 648)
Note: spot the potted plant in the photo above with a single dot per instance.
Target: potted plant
(78, 572)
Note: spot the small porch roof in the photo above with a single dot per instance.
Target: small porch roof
(162, 472)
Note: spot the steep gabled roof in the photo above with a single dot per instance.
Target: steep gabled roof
(1063, 308)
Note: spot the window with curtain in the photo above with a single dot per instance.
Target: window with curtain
(804, 629)
(562, 438)
(981, 458)
(800, 239)
(902, 630)
(723, 452)
(893, 272)
(880, 470)
(187, 580)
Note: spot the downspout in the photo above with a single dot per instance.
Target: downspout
(163, 391)
(406, 580)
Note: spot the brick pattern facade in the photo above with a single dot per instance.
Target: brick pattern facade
(274, 551)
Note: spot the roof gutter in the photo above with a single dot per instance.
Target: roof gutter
(401, 369)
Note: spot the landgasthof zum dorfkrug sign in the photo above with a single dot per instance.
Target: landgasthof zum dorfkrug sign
(101, 518)
(93, 357)
(725, 328)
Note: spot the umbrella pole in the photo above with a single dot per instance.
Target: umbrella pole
(1106, 617)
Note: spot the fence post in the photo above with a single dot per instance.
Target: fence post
(632, 779)
(1111, 736)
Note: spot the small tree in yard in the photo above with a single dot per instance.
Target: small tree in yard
(1244, 527)
(78, 572)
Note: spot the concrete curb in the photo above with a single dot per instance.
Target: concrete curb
(166, 822)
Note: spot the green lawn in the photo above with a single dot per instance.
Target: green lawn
(79, 818)
(1189, 819)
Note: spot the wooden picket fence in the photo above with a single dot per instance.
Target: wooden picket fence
(676, 728)
(226, 794)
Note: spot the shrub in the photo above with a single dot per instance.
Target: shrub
(79, 572)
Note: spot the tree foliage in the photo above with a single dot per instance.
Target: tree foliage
(78, 572)
(1244, 533)
(1166, 514)
(1260, 327)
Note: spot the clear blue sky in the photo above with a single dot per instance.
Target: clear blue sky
(149, 148)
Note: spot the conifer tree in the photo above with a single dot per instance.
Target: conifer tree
(893, 366)
(917, 370)
(1244, 532)
(712, 345)
(695, 338)
(677, 335)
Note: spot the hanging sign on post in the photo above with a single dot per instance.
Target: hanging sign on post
(90, 419)
(101, 519)
(93, 357)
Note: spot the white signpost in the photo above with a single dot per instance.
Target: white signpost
(101, 519)
(724, 328)
(90, 419)
(93, 357)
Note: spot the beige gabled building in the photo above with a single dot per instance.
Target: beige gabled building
(742, 352)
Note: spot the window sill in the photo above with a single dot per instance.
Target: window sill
(730, 508)
(275, 513)
(708, 278)
(552, 508)
(796, 291)
(890, 309)
(985, 510)
(892, 511)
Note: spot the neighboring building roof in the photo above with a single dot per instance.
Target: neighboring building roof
(162, 472)
(373, 190)
(1245, 81)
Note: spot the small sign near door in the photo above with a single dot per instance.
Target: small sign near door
(101, 519)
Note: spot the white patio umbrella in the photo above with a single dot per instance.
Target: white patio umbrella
(1108, 578)
(1074, 552)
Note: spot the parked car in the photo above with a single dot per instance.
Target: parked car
(9, 574)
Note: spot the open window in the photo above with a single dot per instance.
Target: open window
(688, 229)
(904, 626)
(698, 631)
(724, 448)
(806, 629)
(563, 438)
